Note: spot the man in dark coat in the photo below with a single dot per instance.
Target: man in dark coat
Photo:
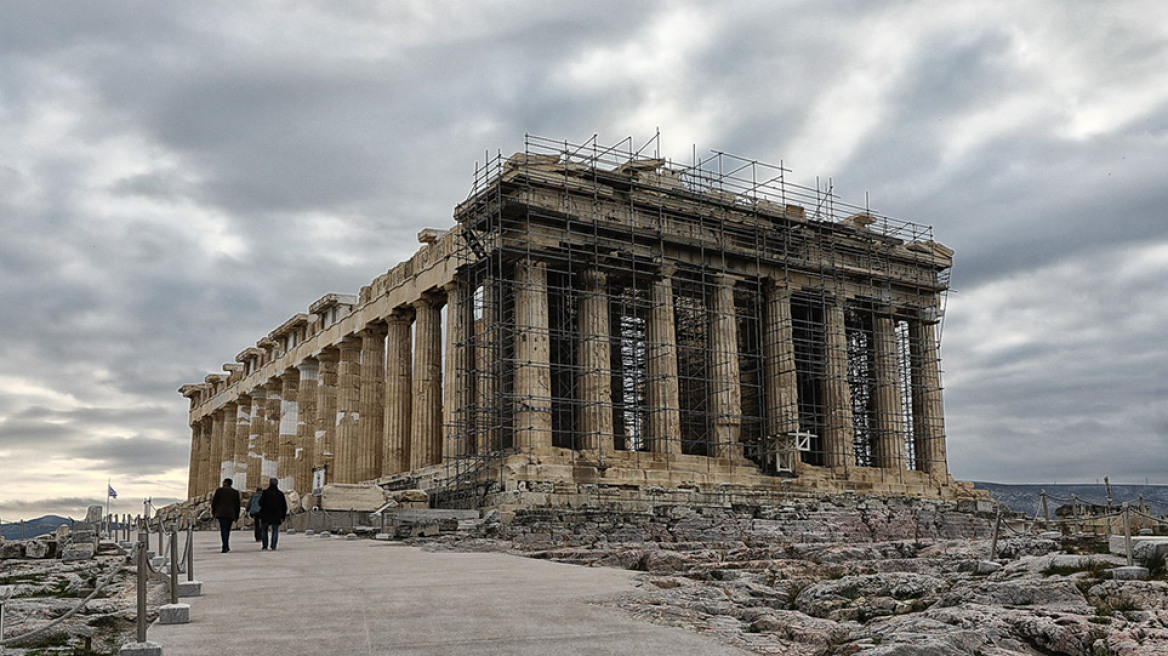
(225, 508)
(273, 510)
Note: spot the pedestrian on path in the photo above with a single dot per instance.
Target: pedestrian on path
(273, 510)
(253, 509)
(225, 508)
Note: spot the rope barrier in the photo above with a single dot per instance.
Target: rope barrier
(98, 588)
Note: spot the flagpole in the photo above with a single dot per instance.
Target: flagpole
(107, 502)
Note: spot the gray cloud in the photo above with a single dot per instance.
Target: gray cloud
(176, 182)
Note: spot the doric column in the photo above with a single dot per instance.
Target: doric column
(725, 385)
(306, 424)
(348, 412)
(456, 377)
(426, 435)
(398, 392)
(323, 449)
(270, 436)
(928, 412)
(594, 380)
(215, 453)
(255, 437)
(240, 444)
(533, 381)
(889, 417)
(838, 430)
(194, 483)
(372, 425)
(487, 371)
(664, 414)
(227, 455)
(782, 386)
(289, 422)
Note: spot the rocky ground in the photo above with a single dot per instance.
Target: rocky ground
(906, 597)
(41, 590)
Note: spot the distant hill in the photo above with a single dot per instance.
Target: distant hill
(1027, 499)
(33, 527)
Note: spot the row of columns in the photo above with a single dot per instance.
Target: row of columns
(372, 405)
(533, 414)
(368, 406)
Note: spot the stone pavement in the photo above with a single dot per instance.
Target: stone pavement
(334, 596)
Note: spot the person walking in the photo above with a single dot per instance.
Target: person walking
(225, 508)
(253, 509)
(273, 510)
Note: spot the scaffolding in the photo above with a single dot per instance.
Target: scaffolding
(656, 345)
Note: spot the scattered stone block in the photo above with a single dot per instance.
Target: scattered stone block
(37, 549)
(401, 496)
(381, 537)
(1050, 535)
(141, 649)
(11, 550)
(325, 534)
(93, 515)
(986, 567)
(174, 614)
(158, 562)
(77, 552)
(1130, 573)
(309, 533)
(346, 496)
(84, 535)
(190, 588)
(351, 536)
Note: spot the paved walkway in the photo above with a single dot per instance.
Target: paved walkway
(334, 596)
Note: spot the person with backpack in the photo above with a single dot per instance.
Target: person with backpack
(273, 510)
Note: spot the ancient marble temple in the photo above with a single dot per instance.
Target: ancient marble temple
(600, 325)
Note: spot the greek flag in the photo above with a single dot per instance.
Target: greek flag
(111, 493)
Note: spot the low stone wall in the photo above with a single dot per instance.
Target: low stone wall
(841, 520)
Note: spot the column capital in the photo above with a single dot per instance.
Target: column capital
(328, 355)
(593, 278)
(402, 314)
(428, 301)
(308, 363)
(373, 329)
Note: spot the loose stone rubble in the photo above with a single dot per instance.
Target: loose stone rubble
(831, 578)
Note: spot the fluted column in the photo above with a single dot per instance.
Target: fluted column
(889, 417)
(533, 381)
(215, 454)
(664, 414)
(240, 442)
(487, 367)
(725, 385)
(839, 433)
(306, 424)
(782, 386)
(398, 392)
(372, 425)
(456, 380)
(928, 412)
(594, 382)
(270, 437)
(426, 435)
(227, 455)
(289, 421)
(193, 482)
(348, 417)
(255, 437)
(323, 450)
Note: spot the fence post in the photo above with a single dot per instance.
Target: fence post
(1045, 508)
(1127, 545)
(994, 541)
(190, 553)
(174, 565)
(142, 545)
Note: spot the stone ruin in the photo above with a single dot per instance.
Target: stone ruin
(601, 328)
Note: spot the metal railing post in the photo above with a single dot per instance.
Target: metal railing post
(997, 530)
(190, 553)
(1127, 545)
(174, 565)
(143, 538)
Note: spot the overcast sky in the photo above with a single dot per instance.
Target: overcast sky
(177, 179)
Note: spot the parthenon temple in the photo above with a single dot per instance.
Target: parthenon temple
(601, 325)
